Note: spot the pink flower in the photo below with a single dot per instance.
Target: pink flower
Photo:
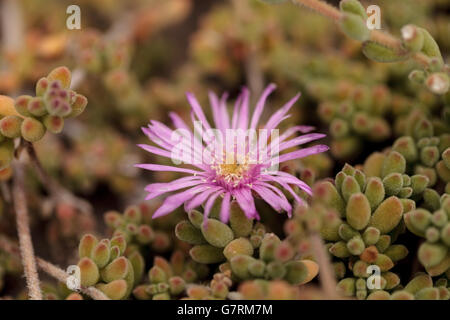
(211, 175)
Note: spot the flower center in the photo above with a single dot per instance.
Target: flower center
(232, 173)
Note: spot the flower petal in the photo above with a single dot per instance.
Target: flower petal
(260, 105)
(225, 208)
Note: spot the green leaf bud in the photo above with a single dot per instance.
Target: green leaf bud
(187, 232)
(371, 236)
(240, 224)
(206, 254)
(358, 211)
(387, 216)
(393, 183)
(216, 233)
(354, 27)
(394, 162)
(89, 274)
(32, 130)
(238, 246)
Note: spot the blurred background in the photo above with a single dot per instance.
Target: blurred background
(134, 60)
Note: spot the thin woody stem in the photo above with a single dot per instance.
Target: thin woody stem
(62, 276)
(383, 38)
(326, 272)
(23, 230)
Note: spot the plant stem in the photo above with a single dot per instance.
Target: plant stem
(326, 273)
(62, 276)
(383, 38)
(23, 230)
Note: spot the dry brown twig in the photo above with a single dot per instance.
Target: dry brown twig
(23, 230)
(326, 272)
(62, 276)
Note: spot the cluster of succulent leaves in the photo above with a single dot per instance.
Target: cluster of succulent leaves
(33, 116)
(244, 247)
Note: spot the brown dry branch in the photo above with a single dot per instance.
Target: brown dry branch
(23, 230)
(326, 272)
(62, 276)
